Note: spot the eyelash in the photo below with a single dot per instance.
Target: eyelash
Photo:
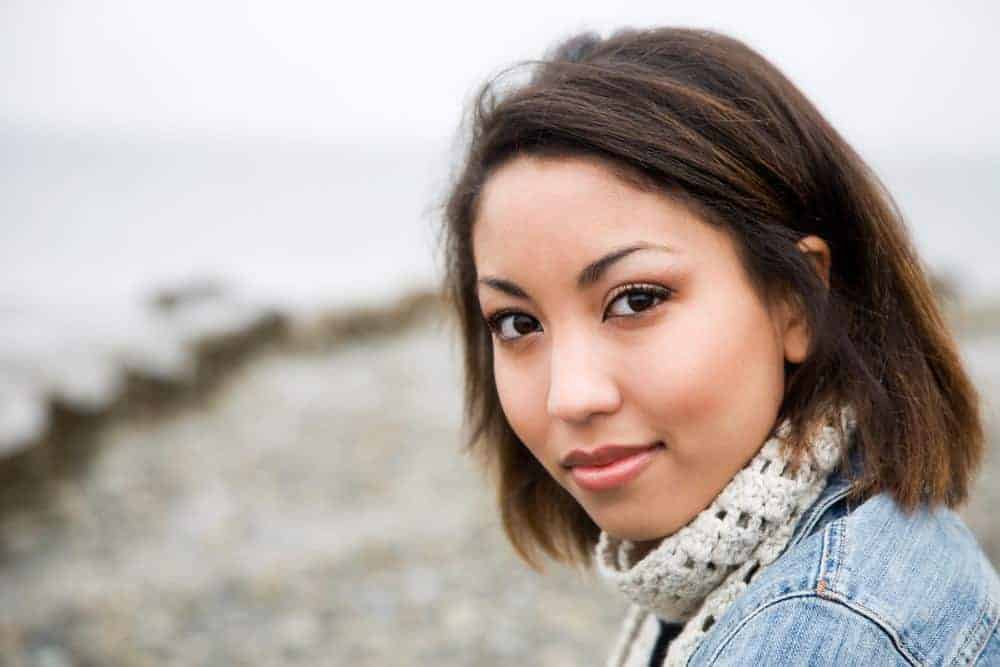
(494, 321)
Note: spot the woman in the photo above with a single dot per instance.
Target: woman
(702, 355)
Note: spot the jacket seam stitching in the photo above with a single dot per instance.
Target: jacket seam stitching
(876, 618)
(990, 630)
(839, 571)
(829, 564)
(830, 587)
(833, 570)
(858, 610)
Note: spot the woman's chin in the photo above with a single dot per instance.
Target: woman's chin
(634, 521)
(636, 532)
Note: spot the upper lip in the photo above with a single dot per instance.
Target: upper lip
(602, 455)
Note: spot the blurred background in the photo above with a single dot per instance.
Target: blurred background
(229, 402)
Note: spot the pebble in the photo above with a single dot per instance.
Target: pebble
(316, 511)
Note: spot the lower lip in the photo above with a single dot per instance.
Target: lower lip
(615, 474)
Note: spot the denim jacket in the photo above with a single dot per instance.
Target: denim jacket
(865, 585)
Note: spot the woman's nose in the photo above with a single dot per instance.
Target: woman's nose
(579, 384)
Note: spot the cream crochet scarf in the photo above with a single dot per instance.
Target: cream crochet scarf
(695, 574)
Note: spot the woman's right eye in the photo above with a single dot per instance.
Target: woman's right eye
(510, 326)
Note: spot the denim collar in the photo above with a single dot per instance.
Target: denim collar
(837, 487)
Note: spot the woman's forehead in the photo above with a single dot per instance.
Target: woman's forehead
(535, 210)
(525, 184)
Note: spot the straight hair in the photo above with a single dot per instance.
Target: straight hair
(702, 117)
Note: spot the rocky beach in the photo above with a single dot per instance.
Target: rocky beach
(231, 420)
(311, 507)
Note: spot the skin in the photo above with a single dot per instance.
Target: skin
(701, 371)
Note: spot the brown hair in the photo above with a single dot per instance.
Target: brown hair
(700, 114)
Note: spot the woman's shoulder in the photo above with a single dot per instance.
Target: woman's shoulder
(921, 576)
(916, 586)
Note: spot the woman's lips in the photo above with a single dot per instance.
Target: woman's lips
(614, 474)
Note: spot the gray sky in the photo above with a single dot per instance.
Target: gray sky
(906, 75)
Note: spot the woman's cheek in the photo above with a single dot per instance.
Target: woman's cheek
(520, 404)
(683, 375)
(506, 392)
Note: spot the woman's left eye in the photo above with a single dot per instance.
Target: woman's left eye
(635, 299)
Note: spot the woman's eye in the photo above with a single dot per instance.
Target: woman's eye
(631, 301)
(511, 326)
(634, 300)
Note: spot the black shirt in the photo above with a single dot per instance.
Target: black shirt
(667, 633)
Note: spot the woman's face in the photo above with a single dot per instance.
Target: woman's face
(664, 348)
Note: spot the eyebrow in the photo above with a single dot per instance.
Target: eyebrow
(588, 276)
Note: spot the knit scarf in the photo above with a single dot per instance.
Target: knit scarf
(696, 573)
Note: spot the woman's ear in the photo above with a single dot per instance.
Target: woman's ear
(818, 253)
(793, 327)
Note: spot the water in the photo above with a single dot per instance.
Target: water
(96, 222)
(90, 227)
(93, 222)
